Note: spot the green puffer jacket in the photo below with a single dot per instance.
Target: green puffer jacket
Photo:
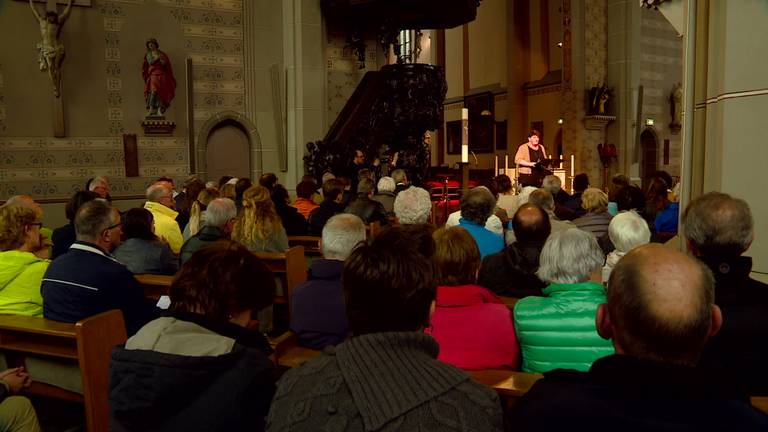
(558, 331)
(21, 274)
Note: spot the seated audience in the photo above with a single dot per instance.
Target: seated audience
(597, 218)
(198, 211)
(498, 211)
(141, 250)
(626, 231)
(200, 368)
(718, 229)
(580, 184)
(386, 194)
(30, 203)
(365, 207)
(99, 185)
(543, 199)
(618, 182)
(87, 280)
(317, 306)
(553, 185)
(294, 223)
(268, 180)
(224, 180)
(492, 224)
(228, 191)
(16, 412)
(304, 202)
(558, 330)
(220, 218)
(258, 227)
(665, 213)
(413, 206)
(476, 207)
(659, 314)
(401, 180)
(333, 203)
(184, 200)
(630, 198)
(512, 272)
(64, 236)
(471, 324)
(506, 199)
(386, 376)
(23, 261)
(241, 185)
(160, 203)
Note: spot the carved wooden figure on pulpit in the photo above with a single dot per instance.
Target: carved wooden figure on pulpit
(50, 48)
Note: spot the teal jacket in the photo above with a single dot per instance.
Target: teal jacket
(21, 274)
(558, 331)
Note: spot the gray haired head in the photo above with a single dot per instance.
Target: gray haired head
(341, 234)
(569, 257)
(220, 211)
(413, 206)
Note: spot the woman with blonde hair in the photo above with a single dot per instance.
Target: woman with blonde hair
(23, 260)
(197, 212)
(596, 221)
(258, 226)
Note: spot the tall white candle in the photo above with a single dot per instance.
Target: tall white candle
(561, 162)
(506, 164)
(464, 135)
(572, 165)
(496, 165)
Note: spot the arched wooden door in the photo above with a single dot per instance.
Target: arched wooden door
(228, 151)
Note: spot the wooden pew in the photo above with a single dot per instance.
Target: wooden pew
(288, 354)
(290, 267)
(87, 343)
(311, 244)
(510, 302)
(372, 229)
(154, 285)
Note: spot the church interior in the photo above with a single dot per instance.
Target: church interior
(448, 90)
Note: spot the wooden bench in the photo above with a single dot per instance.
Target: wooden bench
(290, 267)
(288, 354)
(154, 285)
(88, 344)
(311, 244)
(372, 229)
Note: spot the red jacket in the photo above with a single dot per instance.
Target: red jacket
(474, 329)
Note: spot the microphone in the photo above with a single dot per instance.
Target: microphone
(474, 156)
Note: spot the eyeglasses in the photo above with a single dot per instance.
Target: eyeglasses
(113, 226)
(37, 224)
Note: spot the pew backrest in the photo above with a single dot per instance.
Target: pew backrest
(87, 343)
(154, 285)
(290, 267)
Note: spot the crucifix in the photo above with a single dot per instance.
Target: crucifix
(51, 54)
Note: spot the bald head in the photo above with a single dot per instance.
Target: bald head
(25, 201)
(531, 223)
(660, 306)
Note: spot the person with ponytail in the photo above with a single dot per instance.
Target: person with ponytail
(197, 212)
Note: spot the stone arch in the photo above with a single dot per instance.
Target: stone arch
(245, 124)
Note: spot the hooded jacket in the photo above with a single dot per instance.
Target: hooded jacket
(512, 272)
(180, 375)
(21, 274)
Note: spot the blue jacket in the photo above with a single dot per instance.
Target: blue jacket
(667, 219)
(87, 281)
(487, 241)
(318, 314)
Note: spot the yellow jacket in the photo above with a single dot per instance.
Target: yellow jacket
(166, 226)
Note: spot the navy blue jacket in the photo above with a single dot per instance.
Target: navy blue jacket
(318, 314)
(87, 281)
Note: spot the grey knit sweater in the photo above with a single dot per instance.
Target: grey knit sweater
(382, 382)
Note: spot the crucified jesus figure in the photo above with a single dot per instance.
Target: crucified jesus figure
(51, 50)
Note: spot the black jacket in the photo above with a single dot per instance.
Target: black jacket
(294, 223)
(62, 239)
(154, 391)
(368, 210)
(512, 272)
(739, 347)
(320, 216)
(622, 393)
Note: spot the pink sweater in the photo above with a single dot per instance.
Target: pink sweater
(474, 329)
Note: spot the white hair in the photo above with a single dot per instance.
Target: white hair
(551, 184)
(211, 184)
(98, 181)
(628, 230)
(219, 211)
(524, 194)
(341, 234)
(386, 184)
(157, 191)
(412, 206)
(569, 257)
(327, 176)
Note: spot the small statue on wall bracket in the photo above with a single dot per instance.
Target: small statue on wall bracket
(159, 89)
(50, 48)
(676, 108)
(598, 98)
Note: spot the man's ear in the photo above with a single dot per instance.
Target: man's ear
(717, 320)
(603, 322)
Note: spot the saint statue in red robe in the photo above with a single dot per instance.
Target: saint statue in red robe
(159, 83)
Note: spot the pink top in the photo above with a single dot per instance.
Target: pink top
(474, 329)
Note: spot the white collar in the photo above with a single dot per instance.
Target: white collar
(92, 249)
